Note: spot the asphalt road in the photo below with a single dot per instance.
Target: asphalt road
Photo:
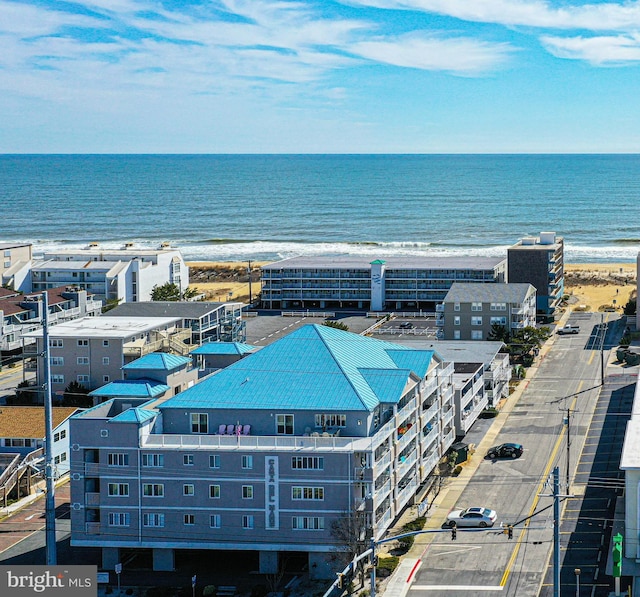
(486, 562)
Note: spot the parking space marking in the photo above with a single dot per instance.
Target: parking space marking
(455, 588)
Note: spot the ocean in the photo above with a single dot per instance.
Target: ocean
(268, 207)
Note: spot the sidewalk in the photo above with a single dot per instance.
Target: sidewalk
(399, 583)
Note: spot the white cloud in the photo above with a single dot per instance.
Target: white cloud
(603, 50)
(532, 13)
(458, 55)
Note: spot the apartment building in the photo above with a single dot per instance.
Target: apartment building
(218, 355)
(22, 313)
(469, 311)
(539, 261)
(266, 454)
(208, 322)
(128, 274)
(397, 283)
(93, 350)
(14, 271)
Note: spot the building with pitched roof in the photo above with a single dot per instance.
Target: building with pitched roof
(218, 355)
(266, 454)
(14, 270)
(469, 311)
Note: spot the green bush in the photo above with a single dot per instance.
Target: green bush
(209, 590)
(415, 525)
(406, 543)
(457, 470)
(389, 564)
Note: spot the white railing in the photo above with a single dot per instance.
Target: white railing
(448, 439)
(256, 442)
(308, 313)
(447, 416)
(403, 466)
(383, 433)
(383, 519)
(380, 494)
(430, 462)
(405, 438)
(381, 464)
(406, 493)
(430, 412)
(406, 410)
(430, 386)
(430, 437)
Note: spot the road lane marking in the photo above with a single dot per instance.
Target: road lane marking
(455, 588)
(447, 553)
(536, 499)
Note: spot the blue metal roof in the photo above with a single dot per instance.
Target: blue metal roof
(161, 361)
(131, 388)
(223, 348)
(313, 368)
(134, 415)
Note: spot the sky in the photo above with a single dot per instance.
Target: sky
(319, 76)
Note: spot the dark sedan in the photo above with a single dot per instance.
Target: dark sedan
(505, 451)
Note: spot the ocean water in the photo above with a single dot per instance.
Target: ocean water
(267, 207)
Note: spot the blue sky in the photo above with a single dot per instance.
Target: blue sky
(317, 76)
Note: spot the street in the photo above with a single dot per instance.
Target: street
(568, 381)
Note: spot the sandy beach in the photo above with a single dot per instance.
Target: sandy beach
(588, 286)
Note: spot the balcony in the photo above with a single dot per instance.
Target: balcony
(429, 462)
(448, 440)
(430, 437)
(91, 499)
(431, 412)
(440, 308)
(406, 410)
(406, 493)
(92, 469)
(405, 437)
(403, 466)
(429, 386)
(92, 528)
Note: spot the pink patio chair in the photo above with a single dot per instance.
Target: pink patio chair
(230, 429)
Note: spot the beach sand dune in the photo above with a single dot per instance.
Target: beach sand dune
(591, 286)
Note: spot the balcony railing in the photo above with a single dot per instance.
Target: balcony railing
(404, 465)
(406, 493)
(92, 499)
(92, 528)
(429, 463)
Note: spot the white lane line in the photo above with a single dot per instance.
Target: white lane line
(446, 553)
(454, 588)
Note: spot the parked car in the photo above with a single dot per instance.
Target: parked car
(472, 517)
(505, 451)
(406, 325)
(568, 329)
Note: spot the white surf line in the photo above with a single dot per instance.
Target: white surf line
(455, 588)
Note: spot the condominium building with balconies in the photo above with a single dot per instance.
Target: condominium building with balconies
(265, 455)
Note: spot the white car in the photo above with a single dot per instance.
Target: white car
(472, 517)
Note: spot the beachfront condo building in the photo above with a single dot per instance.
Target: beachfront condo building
(394, 284)
(265, 456)
(14, 271)
(127, 275)
(539, 261)
(470, 311)
(92, 351)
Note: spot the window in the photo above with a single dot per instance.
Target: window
(214, 491)
(214, 461)
(214, 521)
(119, 519)
(105, 360)
(476, 334)
(307, 523)
(105, 343)
(105, 378)
(456, 306)
(83, 342)
(152, 520)
(199, 423)
(153, 460)
(57, 378)
(56, 437)
(476, 306)
(477, 320)
(57, 361)
(188, 489)
(63, 456)
(82, 378)
(284, 424)
(63, 434)
(456, 320)
(247, 522)
(247, 462)
(17, 442)
(55, 343)
(187, 459)
(118, 459)
(498, 306)
(118, 489)
(189, 519)
(331, 420)
(307, 493)
(56, 460)
(247, 492)
(498, 321)
(307, 462)
(83, 360)
(153, 489)
(456, 334)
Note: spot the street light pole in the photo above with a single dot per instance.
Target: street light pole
(577, 573)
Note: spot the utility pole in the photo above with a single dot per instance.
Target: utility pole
(50, 502)
(567, 421)
(556, 532)
(250, 294)
(604, 333)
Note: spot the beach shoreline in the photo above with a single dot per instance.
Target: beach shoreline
(589, 286)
